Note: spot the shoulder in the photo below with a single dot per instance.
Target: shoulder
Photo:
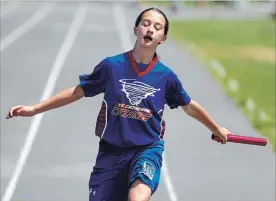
(109, 62)
(165, 69)
(170, 77)
(115, 59)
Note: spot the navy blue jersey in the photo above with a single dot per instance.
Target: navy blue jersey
(134, 99)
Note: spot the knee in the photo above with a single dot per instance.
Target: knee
(139, 191)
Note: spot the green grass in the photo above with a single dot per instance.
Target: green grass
(246, 48)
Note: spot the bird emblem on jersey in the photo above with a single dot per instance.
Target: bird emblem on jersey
(136, 91)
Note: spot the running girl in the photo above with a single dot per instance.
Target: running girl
(130, 125)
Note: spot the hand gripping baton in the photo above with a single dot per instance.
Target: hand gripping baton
(243, 140)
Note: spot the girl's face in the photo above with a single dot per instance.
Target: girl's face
(150, 31)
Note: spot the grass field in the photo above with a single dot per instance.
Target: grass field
(246, 49)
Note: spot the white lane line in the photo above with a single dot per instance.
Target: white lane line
(121, 25)
(48, 90)
(8, 8)
(39, 15)
(168, 181)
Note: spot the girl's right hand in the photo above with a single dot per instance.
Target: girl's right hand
(21, 110)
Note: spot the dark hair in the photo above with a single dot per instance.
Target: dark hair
(140, 16)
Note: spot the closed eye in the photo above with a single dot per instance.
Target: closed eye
(146, 23)
(157, 25)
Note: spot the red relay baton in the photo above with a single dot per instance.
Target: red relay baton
(243, 140)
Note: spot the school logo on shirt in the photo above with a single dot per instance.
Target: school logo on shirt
(132, 112)
(136, 91)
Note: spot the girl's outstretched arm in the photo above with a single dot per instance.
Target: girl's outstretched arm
(62, 98)
(196, 111)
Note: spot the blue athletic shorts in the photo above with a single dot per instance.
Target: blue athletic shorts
(116, 169)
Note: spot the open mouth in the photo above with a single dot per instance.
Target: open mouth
(148, 38)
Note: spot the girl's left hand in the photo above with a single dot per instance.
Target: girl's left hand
(222, 134)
